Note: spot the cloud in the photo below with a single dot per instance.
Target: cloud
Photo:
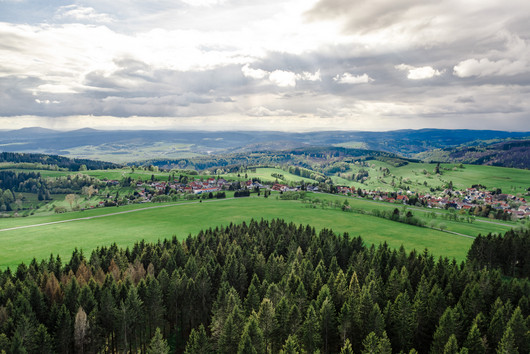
(228, 62)
(486, 67)
(253, 73)
(46, 101)
(203, 2)
(348, 78)
(465, 99)
(419, 73)
(307, 76)
(283, 78)
(265, 112)
(81, 13)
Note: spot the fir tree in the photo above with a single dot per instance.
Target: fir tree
(198, 342)
(158, 344)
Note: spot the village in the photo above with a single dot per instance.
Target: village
(475, 201)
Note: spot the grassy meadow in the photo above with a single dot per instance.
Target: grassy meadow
(182, 219)
(421, 177)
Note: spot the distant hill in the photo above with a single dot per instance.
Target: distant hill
(511, 153)
(306, 157)
(54, 160)
(141, 145)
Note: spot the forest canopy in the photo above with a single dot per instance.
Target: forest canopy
(265, 286)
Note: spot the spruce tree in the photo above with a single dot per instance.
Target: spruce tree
(474, 342)
(507, 345)
(520, 331)
(310, 332)
(346, 348)
(267, 322)
(158, 344)
(451, 347)
(291, 345)
(446, 328)
(198, 342)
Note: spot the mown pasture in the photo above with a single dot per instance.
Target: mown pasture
(182, 219)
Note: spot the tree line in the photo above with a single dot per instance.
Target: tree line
(55, 160)
(264, 287)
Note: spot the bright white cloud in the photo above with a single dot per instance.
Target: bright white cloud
(253, 73)
(81, 13)
(419, 73)
(307, 76)
(280, 78)
(46, 101)
(283, 78)
(486, 67)
(348, 78)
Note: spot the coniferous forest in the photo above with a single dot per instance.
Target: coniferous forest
(269, 287)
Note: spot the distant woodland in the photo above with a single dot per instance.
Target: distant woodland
(269, 287)
(41, 161)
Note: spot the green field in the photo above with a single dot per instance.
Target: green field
(472, 229)
(415, 175)
(265, 175)
(188, 218)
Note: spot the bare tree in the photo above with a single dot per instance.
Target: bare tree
(70, 198)
(80, 329)
(89, 191)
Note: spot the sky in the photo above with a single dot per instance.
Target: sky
(286, 65)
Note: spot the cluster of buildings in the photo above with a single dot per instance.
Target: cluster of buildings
(466, 199)
(199, 186)
(460, 200)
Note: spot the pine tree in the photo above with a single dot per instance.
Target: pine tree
(255, 334)
(246, 346)
(154, 305)
(346, 321)
(346, 348)
(107, 315)
(43, 340)
(158, 344)
(230, 335)
(291, 345)
(310, 333)
(267, 322)
(446, 328)
(328, 325)
(281, 332)
(252, 300)
(64, 330)
(474, 342)
(374, 344)
(198, 342)
(451, 347)
(520, 331)
(295, 319)
(507, 344)
(402, 323)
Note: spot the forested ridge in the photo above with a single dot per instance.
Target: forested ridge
(38, 161)
(265, 286)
